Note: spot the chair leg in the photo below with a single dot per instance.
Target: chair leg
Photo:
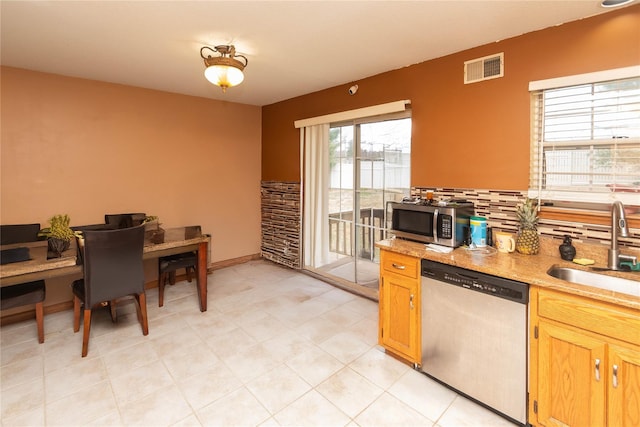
(85, 332)
(161, 280)
(76, 313)
(198, 287)
(141, 306)
(136, 302)
(112, 309)
(40, 321)
(172, 278)
(188, 271)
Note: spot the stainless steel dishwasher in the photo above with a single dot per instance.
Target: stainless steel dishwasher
(474, 336)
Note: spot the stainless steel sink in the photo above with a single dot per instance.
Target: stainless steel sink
(597, 280)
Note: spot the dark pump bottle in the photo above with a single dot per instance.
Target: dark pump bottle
(567, 251)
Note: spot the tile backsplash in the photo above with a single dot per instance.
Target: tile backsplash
(281, 220)
(499, 207)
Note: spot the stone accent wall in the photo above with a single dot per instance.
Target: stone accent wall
(499, 208)
(281, 222)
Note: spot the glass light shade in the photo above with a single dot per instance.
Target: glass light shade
(224, 75)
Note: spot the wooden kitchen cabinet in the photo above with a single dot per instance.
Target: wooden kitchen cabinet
(399, 306)
(585, 362)
(624, 395)
(567, 391)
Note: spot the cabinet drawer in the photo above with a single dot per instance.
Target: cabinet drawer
(609, 320)
(403, 265)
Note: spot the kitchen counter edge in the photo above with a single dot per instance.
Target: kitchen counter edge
(531, 269)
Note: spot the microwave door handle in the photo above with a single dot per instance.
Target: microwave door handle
(435, 225)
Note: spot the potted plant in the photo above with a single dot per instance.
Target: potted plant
(59, 234)
(151, 222)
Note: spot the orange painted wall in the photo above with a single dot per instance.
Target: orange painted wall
(466, 136)
(87, 148)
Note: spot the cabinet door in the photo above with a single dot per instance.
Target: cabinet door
(399, 321)
(624, 386)
(572, 378)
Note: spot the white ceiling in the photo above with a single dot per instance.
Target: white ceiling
(293, 47)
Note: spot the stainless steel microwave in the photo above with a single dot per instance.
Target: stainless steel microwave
(431, 223)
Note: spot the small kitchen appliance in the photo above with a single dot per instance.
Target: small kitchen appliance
(444, 223)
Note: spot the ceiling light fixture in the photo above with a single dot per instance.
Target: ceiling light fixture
(614, 3)
(224, 70)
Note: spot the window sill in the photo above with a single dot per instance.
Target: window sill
(586, 216)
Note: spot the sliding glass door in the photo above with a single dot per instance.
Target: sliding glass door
(369, 165)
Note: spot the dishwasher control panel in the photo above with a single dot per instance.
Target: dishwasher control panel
(476, 281)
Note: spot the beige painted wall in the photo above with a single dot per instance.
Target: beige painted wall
(87, 148)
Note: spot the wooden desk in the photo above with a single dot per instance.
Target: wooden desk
(176, 240)
(38, 267)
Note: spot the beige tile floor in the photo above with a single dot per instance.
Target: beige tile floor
(275, 348)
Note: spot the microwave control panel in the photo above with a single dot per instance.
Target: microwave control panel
(445, 224)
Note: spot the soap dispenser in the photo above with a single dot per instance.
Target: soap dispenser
(567, 250)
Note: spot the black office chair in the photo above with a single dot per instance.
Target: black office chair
(113, 269)
(125, 220)
(23, 293)
(168, 265)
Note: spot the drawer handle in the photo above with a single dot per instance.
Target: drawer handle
(615, 376)
(398, 266)
(597, 369)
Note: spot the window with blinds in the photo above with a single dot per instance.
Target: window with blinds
(586, 142)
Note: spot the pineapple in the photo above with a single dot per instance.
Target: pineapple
(527, 241)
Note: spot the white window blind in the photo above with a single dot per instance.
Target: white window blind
(585, 143)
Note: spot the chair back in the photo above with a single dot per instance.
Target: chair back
(19, 233)
(113, 265)
(124, 220)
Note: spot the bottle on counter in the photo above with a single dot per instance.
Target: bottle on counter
(429, 198)
(567, 250)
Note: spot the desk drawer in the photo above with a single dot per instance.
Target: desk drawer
(403, 265)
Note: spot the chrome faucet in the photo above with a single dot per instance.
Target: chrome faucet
(618, 225)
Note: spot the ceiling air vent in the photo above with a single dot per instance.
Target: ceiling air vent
(489, 67)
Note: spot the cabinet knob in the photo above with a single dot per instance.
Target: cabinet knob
(411, 301)
(597, 369)
(615, 376)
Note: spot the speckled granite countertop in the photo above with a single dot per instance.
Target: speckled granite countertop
(38, 259)
(531, 269)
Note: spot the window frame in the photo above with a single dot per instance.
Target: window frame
(536, 173)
